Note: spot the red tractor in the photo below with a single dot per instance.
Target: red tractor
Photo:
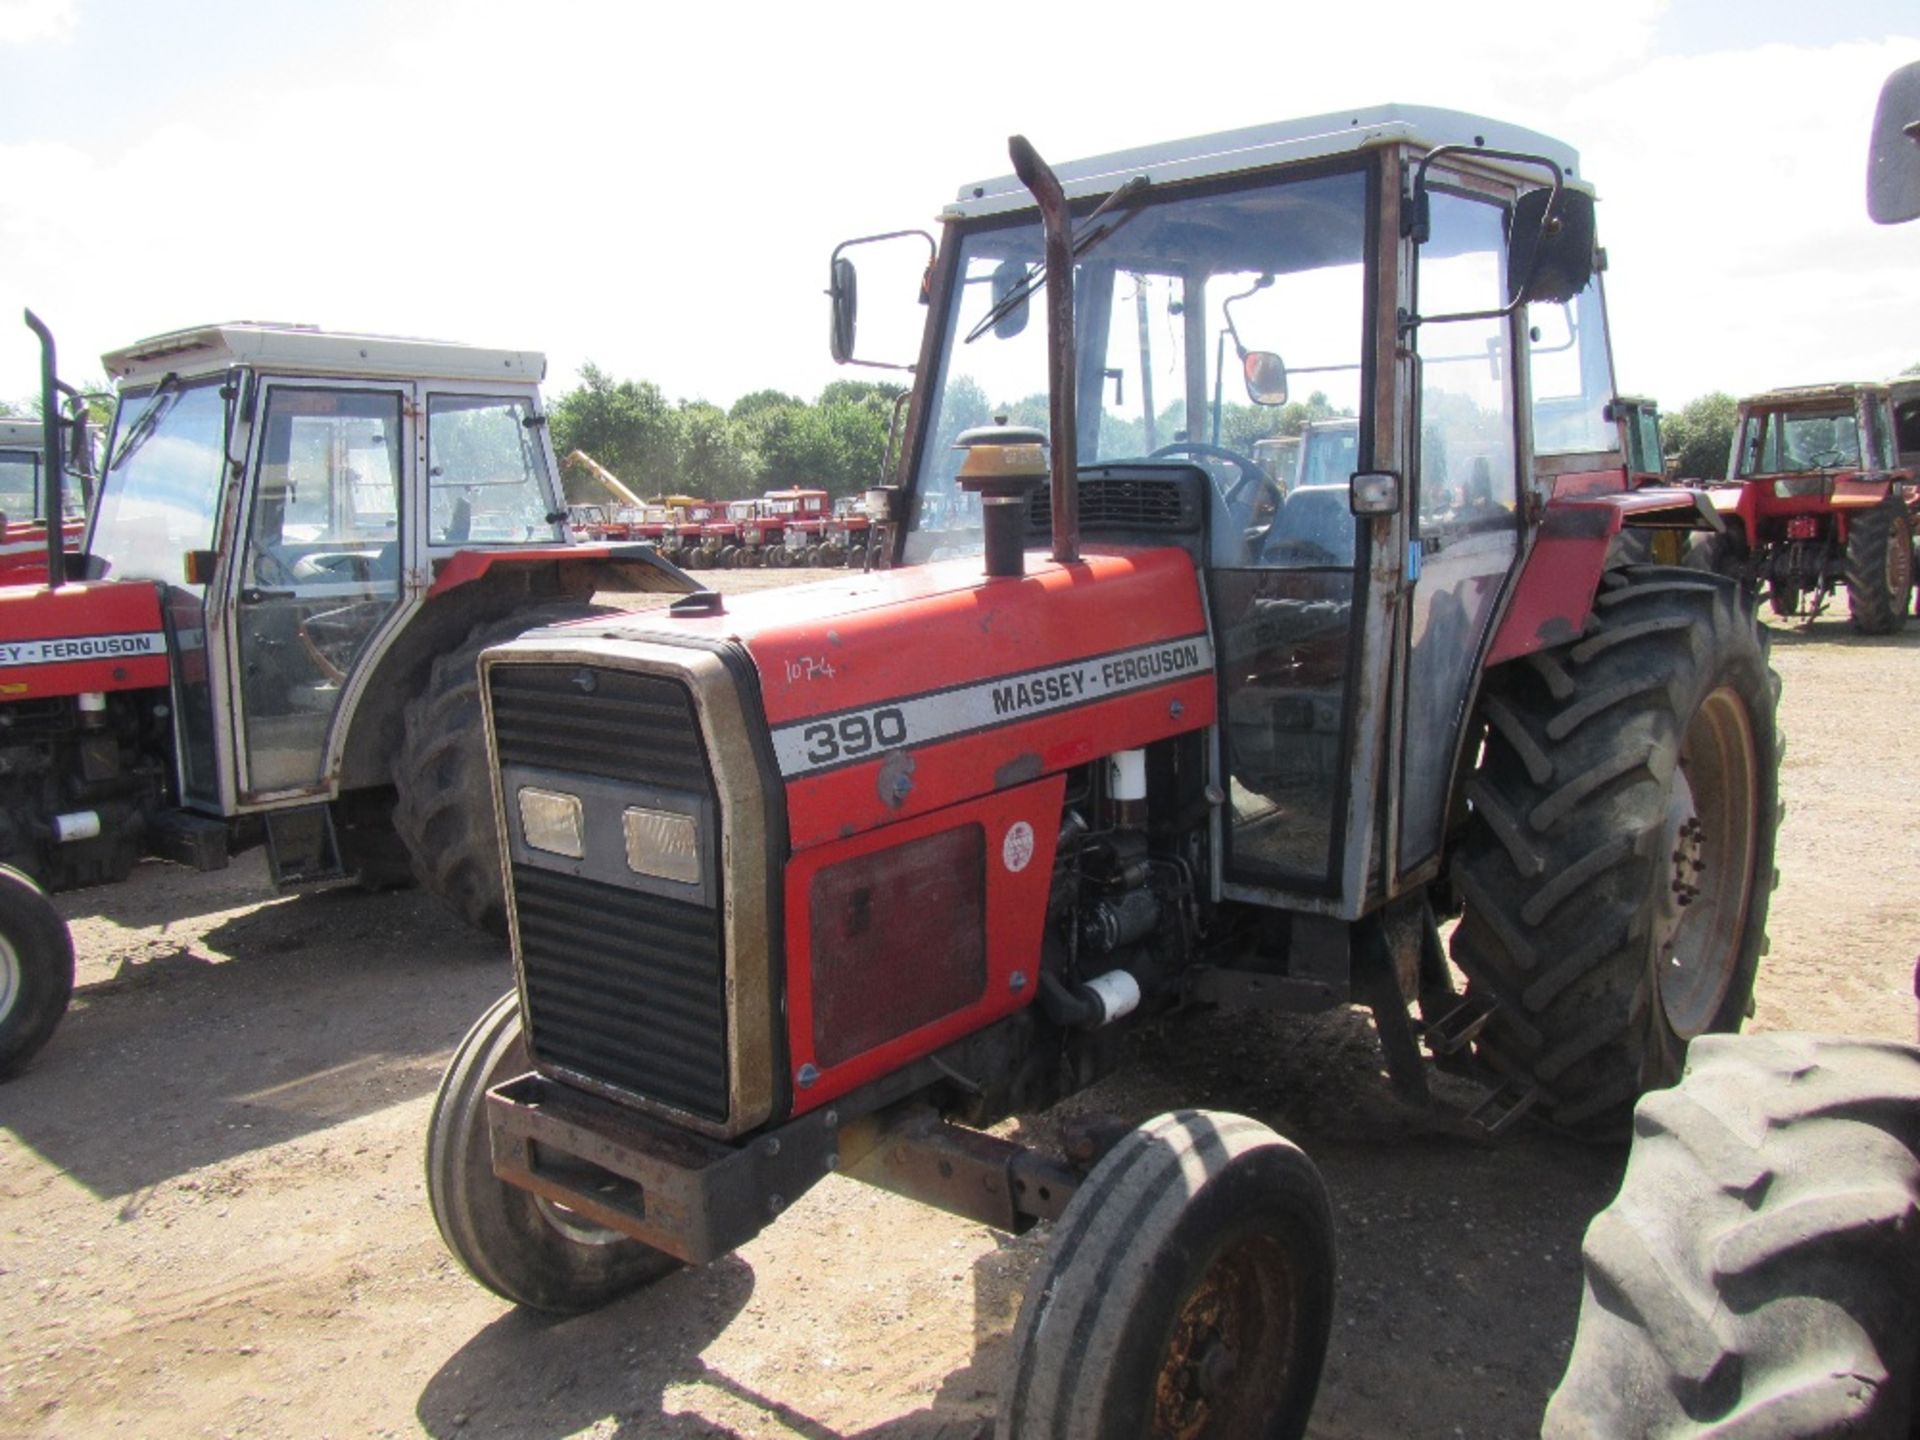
(804, 517)
(23, 493)
(270, 633)
(848, 530)
(1816, 497)
(837, 877)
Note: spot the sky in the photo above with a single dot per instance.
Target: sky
(656, 189)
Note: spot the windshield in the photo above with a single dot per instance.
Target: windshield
(161, 493)
(1159, 371)
(1772, 441)
(486, 473)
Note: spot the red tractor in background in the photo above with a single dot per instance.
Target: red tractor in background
(848, 530)
(804, 516)
(270, 634)
(23, 491)
(1817, 497)
(839, 877)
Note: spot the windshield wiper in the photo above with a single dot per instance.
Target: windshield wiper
(147, 422)
(1037, 276)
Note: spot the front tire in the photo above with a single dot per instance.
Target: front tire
(1619, 857)
(444, 812)
(519, 1246)
(36, 970)
(1880, 569)
(1187, 1290)
(1759, 1272)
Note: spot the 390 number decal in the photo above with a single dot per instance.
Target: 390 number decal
(852, 736)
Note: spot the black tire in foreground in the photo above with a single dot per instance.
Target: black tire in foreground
(1187, 1290)
(36, 969)
(1880, 569)
(1758, 1274)
(519, 1246)
(444, 812)
(1618, 859)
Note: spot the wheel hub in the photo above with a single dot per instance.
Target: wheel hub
(11, 978)
(1684, 849)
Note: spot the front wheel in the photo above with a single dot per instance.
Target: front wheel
(520, 1246)
(1187, 1291)
(36, 969)
(1618, 860)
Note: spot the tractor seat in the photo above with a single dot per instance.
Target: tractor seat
(1313, 529)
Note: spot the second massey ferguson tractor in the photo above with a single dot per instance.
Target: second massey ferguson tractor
(298, 546)
(1817, 497)
(837, 877)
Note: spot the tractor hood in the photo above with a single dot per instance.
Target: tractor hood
(897, 693)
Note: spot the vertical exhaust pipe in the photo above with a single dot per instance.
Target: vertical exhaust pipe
(1062, 382)
(56, 505)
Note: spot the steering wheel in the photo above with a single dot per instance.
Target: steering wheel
(270, 572)
(1827, 459)
(1242, 498)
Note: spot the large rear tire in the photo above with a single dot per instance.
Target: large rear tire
(1880, 569)
(518, 1245)
(36, 970)
(444, 811)
(1759, 1272)
(1187, 1291)
(1618, 860)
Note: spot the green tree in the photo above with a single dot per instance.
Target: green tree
(759, 401)
(626, 425)
(1698, 437)
(714, 459)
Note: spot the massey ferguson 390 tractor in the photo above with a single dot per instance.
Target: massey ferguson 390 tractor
(1816, 497)
(834, 878)
(299, 546)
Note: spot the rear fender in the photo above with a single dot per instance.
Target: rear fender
(1561, 574)
(476, 587)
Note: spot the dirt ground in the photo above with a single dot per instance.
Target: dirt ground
(212, 1217)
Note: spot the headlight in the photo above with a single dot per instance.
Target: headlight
(550, 820)
(662, 843)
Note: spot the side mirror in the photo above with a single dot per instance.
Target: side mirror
(1893, 157)
(1550, 251)
(1266, 376)
(843, 289)
(1009, 277)
(1373, 492)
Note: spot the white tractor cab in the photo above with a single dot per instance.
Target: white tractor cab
(335, 524)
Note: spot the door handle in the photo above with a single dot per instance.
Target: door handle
(255, 596)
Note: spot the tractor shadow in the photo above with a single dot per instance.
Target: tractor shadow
(205, 1043)
(1833, 631)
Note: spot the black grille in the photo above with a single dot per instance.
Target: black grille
(1163, 504)
(625, 988)
(598, 722)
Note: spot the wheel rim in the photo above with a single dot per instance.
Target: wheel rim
(1706, 864)
(1229, 1357)
(12, 977)
(575, 1226)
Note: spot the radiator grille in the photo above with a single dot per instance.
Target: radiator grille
(624, 988)
(598, 722)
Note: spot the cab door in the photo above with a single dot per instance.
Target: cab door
(319, 572)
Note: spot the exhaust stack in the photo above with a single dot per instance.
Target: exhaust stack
(1038, 177)
(56, 504)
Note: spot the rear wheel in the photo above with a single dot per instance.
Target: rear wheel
(444, 813)
(1619, 858)
(1880, 569)
(1759, 1272)
(520, 1246)
(1783, 598)
(1187, 1291)
(36, 969)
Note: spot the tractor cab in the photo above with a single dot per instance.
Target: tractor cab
(1805, 438)
(296, 495)
(1357, 598)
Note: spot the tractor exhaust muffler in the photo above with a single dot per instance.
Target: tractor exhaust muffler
(1057, 225)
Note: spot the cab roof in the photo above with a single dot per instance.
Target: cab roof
(212, 349)
(1285, 142)
(1847, 390)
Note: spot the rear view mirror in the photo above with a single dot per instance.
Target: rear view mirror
(1550, 251)
(1893, 158)
(843, 290)
(1009, 278)
(1266, 376)
(1373, 492)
